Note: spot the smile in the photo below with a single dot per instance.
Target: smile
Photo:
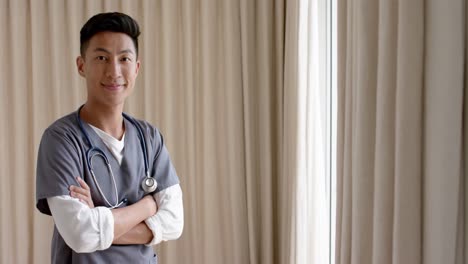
(113, 87)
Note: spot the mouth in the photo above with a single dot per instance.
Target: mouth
(113, 86)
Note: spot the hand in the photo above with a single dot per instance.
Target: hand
(153, 207)
(82, 193)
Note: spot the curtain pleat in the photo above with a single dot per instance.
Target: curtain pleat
(363, 124)
(407, 242)
(288, 136)
(462, 245)
(212, 78)
(19, 140)
(385, 134)
(3, 139)
(444, 86)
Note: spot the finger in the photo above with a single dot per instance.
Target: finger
(78, 196)
(82, 198)
(80, 190)
(82, 183)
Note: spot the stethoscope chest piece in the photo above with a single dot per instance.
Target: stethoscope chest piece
(149, 185)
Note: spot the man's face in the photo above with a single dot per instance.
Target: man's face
(110, 66)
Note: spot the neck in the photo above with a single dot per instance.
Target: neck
(108, 119)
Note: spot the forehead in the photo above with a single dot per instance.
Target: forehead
(111, 41)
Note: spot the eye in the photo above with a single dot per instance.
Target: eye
(126, 59)
(101, 58)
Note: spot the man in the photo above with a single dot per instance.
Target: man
(98, 168)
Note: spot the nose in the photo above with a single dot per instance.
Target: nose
(113, 69)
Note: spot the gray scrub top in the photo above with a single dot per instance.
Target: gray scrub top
(62, 157)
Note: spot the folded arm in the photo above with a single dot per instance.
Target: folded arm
(139, 234)
(128, 218)
(86, 228)
(166, 224)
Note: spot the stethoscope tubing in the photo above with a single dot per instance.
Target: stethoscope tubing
(97, 151)
(93, 148)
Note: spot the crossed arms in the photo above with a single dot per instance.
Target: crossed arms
(86, 228)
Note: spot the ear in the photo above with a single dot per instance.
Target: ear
(80, 65)
(137, 67)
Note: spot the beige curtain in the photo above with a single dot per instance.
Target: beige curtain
(213, 79)
(402, 132)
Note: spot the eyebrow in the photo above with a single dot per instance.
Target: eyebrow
(120, 52)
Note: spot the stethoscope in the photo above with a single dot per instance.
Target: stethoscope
(148, 185)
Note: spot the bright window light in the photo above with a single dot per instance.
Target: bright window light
(315, 199)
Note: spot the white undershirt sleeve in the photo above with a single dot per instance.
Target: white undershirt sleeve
(168, 222)
(84, 229)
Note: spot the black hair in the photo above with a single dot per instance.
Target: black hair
(114, 22)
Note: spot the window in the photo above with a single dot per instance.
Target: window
(315, 198)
